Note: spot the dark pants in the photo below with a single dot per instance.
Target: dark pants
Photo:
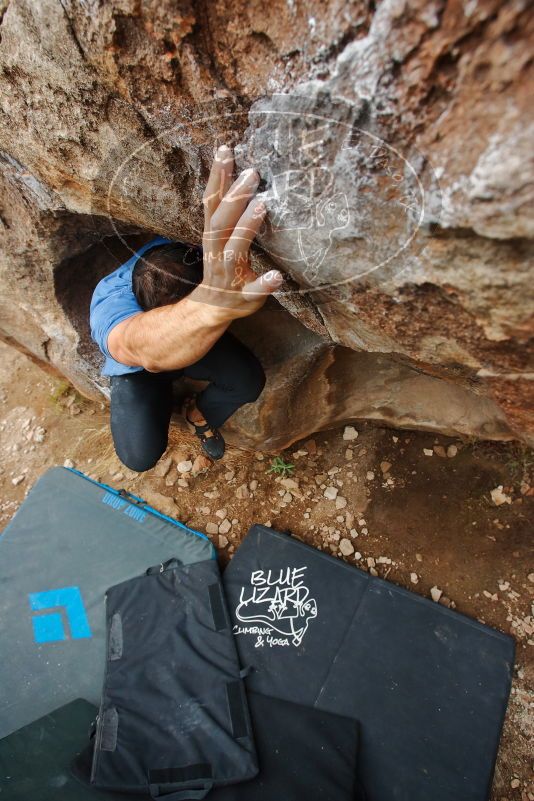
(141, 402)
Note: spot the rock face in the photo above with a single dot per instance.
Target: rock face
(394, 150)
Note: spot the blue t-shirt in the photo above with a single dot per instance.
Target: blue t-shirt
(114, 301)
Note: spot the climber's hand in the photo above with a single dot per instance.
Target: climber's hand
(232, 218)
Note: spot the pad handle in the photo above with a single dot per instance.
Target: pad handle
(170, 563)
(181, 795)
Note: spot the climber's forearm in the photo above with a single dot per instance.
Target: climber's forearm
(168, 338)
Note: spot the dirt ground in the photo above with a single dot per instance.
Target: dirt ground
(407, 506)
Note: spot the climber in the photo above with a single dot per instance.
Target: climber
(165, 313)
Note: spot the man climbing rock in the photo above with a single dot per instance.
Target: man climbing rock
(165, 313)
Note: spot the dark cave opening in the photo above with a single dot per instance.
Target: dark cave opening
(76, 277)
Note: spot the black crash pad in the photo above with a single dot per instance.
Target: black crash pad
(35, 761)
(305, 754)
(428, 685)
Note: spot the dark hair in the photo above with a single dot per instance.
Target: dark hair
(166, 274)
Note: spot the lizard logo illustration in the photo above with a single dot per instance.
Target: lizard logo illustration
(280, 601)
(308, 206)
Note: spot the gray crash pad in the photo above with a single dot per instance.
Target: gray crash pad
(70, 540)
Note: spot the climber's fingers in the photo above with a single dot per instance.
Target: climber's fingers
(219, 181)
(263, 285)
(236, 250)
(229, 211)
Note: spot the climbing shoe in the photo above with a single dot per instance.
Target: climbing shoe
(211, 440)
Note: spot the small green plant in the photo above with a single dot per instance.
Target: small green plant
(60, 390)
(280, 467)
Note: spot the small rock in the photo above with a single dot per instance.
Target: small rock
(259, 456)
(340, 502)
(242, 492)
(346, 547)
(311, 446)
(357, 555)
(287, 497)
(452, 450)
(183, 482)
(385, 467)
(515, 783)
(39, 434)
(373, 571)
(74, 409)
(204, 510)
(200, 464)
(383, 560)
(221, 513)
(370, 475)
(179, 455)
(370, 561)
(331, 493)
(428, 451)
(229, 474)
(223, 541)
(499, 497)
(419, 557)
(350, 433)
(212, 528)
(170, 480)
(163, 467)
(253, 485)
(225, 526)
(436, 594)
(118, 476)
(349, 453)
(299, 453)
(491, 595)
(531, 577)
(163, 503)
(18, 480)
(185, 466)
(414, 578)
(289, 483)
(439, 450)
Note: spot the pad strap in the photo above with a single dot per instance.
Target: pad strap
(161, 778)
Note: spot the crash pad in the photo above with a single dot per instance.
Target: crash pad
(70, 540)
(35, 760)
(429, 686)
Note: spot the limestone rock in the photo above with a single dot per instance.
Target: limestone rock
(346, 547)
(163, 503)
(163, 467)
(408, 313)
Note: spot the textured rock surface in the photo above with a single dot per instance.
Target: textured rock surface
(397, 171)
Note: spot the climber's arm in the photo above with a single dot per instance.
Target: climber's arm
(169, 337)
(175, 336)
